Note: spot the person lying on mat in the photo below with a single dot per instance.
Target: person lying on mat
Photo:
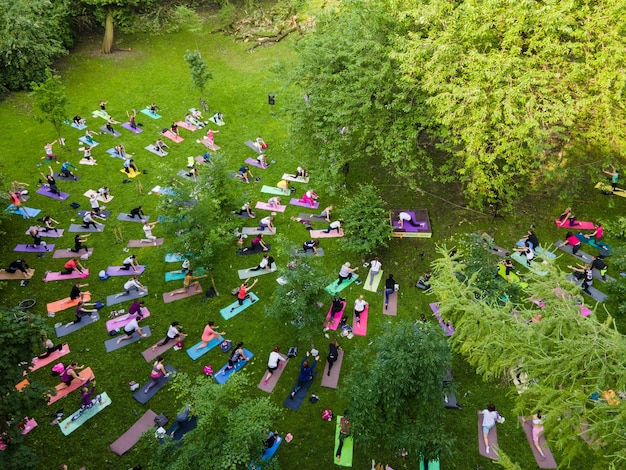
(37, 241)
(49, 346)
(284, 185)
(79, 242)
(305, 222)
(244, 173)
(137, 212)
(188, 282)
(197, 114)
(18, 265)
(267, 223)
(346, 272)
(273, 363)
(130, 329)
(73, 264)
(537, 429)
(79, 121)
(306, 374)
(257, 243)
(130, 163)
(567, 219)
(573, 241)
(311, 245)
(51, 182)
(174, 333)
(88, 220)
(325, 214)
(66, 169)
(208, 335)
(336, 225)
(490, 417)
(69, 374)
(406, 217)
(245, 209)
(344, 432)
(81, 312)
(235, 357)
(131, 119)
(194, 121)
(160, 146)
(48, 221)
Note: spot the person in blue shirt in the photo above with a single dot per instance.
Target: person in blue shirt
(306, 374)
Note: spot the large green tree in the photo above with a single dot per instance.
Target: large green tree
(50, 101)
(198, 69)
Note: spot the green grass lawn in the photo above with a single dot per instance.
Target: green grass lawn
(154, 71)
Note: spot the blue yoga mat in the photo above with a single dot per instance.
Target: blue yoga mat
(269, 453)
(183, 428)
(177, 275)
(63, 331)
(222, 375)
(147, 112)
(30, 212)
(85, 141)
(68, 426)
(234, 308)
(142, 397)
(295, 402)
(333, 288)
(201, 352)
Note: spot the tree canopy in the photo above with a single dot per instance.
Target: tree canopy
(50, 101)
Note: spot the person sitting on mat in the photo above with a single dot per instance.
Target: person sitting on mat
(333, 354)
(300, 173)
(257, 243)
(309, 198)
(160, 146)
(193, 120)
(37, 241)
(490, 416)
(344, 433)
(49, 346)
(346, 272)
(174, 128)
(73, 264)
(87, 153)
(79, 242)
(375, 266)
(188, 282)
(69, 374)
(573, 241)
(131, 119)
(245, 209)
(104, 193)
(109, 125)
(137, 212)
(76, 293)
(583, 273)
(306, 374)
(147, 231)
(273, 363)
(190, 121)
(531, 240)
(158, 371)
(406, 217)
(244, 173)
(614, 174)
(81, 312)
(359, 307)
(51, 182)
(235, 357)
(18, 265)
(424, 281)
(88, 220)
(79, 121)
(530, 255)
(266, 223)
(311, 245)
(133, 284)
(66, 170)
(284, 186)
(210, 138)
(173, 334)
(266, 263)
(48, 221)
(336, 225)
(260, 144)
(128, 263)
(89, 136)
(130, 329)
(218, 118)
(206, 158)
(49, 152)
(128, 164)
(209, 334)
(262, 159)
(567, 219)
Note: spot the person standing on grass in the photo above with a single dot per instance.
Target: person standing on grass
(273, 363)
(208, 335)
(147, 230)
(174, 333)
(130, 329)
(158, 371)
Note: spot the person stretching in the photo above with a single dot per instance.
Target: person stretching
(129, 262)
(336, 225)
(209, 334)
(360, 304)
(243, 292)
(137, 212)
(188, 282)
(133, 284)
(346, 272)
(235, 357)
(71, 266)
(130, 329)
(147, 230)
(158, 371)
(273, 363)
(306, 374)
(406, 217)
(173, 333)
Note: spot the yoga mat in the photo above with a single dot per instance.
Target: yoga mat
(139, 243)
(266, 207)
(113, 271)
(173, 137)
(21, 248)
(178, 275)
(313, 217)
(244, 215)
(16, 276)
(80, 127)
(447, 330)
(296, 402)
(101, 114)
(61, 177)
(63, 304)
(115, 133)
(301, 252)
(85, 161)
(295, 180)
(539, 251)
(134, 294)
(121, 321)
(167, 298)
(587, 258)
(492, 438)
(322, 234)
(250, 144)
(598, 276)
(331, 381)
(183, 428)
(406, 226)
(602, 247)
(269, 453)
(211, 146)
(347, 449)
(149, 355)
(222, 375)
(245, 274)
(25, 212)
(149, 113)
(333, 323)
(392, 306)
(608, 188)
(174, 257)
(374, 286)
(597, 295)
(44, 191)
(75, 228)
(186, 126)
(214, 121)
(111, 344)
(333, 288)
(579, 224)
(134, 130)
(273, 380)
(127, 440)
(256, 163)
(68, 426)
(514, 277)
(432, 465)
(86, 141)
(256, 231)
(254, 252)
(362, 329)
(62, 390)
(131, 173)
(22, 385)
(534, 265)
(63, 330)
(57, 276)
(234, 308)
(549, 461)
(143, 398)
(29, 425)
(38, 363)
(49, 233)
(274, 190)
(114, 153)
(194, 355)
(184, 174)
(296, 202)
(71, 254)
(100, 197)
(153, 149)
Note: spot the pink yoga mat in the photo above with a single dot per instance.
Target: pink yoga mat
(331, 381)
(184, 125)
(39, 363)
(170, 135)
(392, 308)
(113, 271)
(296, 202)
(580, 225)
(361, 328)
(57, 276)
(256, 163)
(123, 320)
(207, 144)
(273, 380)
(267, 207)
(492, 437)
(49, 233)
(322, 234)
(70, 253)
(334, 323)
(139, 243)
(549, 461)
(167, 298)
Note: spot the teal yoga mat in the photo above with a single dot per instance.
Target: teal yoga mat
(333, 288)
(68, 426)
(234, 308)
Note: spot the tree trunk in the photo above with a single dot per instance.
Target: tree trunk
(107, 42)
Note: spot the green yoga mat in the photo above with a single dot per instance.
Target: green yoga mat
(273, 190)
(178, 275)
(68, 426)
(534, 265)
(333, 288)
(374, 286)
(515, 279)
(346, 450)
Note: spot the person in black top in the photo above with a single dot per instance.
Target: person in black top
(532, 238)
(599, 264)
(136, 212)
(311, 245)
(584, 273)
(390, 284)
(18, 265)
(333, 354)
(76, 293)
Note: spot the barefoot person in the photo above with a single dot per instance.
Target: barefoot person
(490, 417)
(346, 272)
(273, 363)
(69, 374)
(174, 333)
(130, 329)
(208, 335)
(128, 263)
(344, 433)
(147, 230)
(537, 423)
(158, 371)
(235, 357)
(133, 284)
(188, 282)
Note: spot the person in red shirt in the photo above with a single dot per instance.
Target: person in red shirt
(72, 265)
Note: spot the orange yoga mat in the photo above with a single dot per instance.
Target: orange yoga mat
(63, 304)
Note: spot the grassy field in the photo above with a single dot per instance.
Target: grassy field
(154, 71)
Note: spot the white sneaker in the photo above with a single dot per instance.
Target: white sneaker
(487, 450)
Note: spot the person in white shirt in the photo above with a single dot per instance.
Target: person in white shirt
(266, 263)
(274, 362)
(336, 225)
(129, 262)
(490, 416)
(173, 333)
(346, 272)
(93, 202)
(266, 223)
(375, 266)
(147, 230)
(359, 307)
(130, 329)
(133, 284)
(406, 217)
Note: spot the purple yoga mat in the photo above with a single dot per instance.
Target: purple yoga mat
(49, 233)
(113, 271)
(71, 254)
(331, 381)
(419, 217)
(139, 243)
(296, 202)
(44, 191)
(57, 276)
(273, 380)
(135, 130)
(30, 249)
(256, 163)
(549, 461)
